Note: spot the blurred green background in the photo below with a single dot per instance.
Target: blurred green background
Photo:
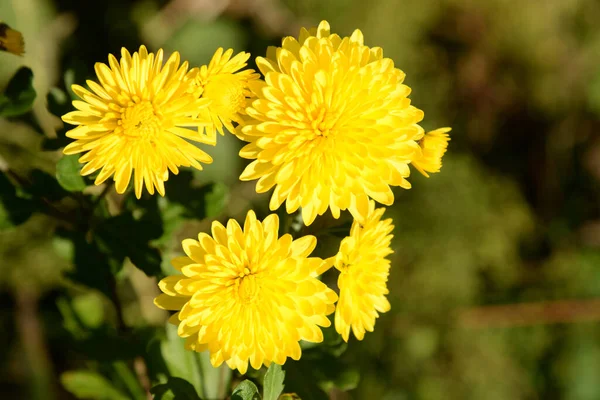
(495, 280)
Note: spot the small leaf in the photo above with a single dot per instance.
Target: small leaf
(19, 95)
(90, 385)
(68, 174)
(175, 389)
(273, 382)
(245, 391)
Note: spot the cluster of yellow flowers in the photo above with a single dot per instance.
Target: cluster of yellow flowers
(329, 126)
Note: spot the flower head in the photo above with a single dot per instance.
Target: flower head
(364, 271)
(247, 295)
(331, 126)
(226, 87)
(11, 40)
(133, 122)
(433, 146)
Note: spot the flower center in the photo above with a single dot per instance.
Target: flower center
(324, 121)
(226, 94)
(139, 120)
(248, 286)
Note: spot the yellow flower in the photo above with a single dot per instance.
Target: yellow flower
(433, 146)
(364, 273)
(246, 295)
(226, 87)
(133, 122)
(331, 125)
(11, 40)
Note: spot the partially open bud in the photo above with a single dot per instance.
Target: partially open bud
(433, 146)
(11, 40)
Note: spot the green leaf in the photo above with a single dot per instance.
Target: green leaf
(169, 357)
(90, 385)
(216, 199)
(172, 216)
(124, 374)
(273, 382)
(19, 95)
(68, 174)
(174, 389)
(14, 210)
(215, 381)
(89, 308)
(245, 391)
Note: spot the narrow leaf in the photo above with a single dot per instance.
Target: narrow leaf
(273, 382)
(90, 385)
(181, 363)
(215, 381)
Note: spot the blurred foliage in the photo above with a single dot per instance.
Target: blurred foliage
(513, 217)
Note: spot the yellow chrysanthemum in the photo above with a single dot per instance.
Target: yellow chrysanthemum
(246, 295)
(364, 271)
(134, 121)
(226, 87)
(433, 146)
(11, 40)
(331, 127)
